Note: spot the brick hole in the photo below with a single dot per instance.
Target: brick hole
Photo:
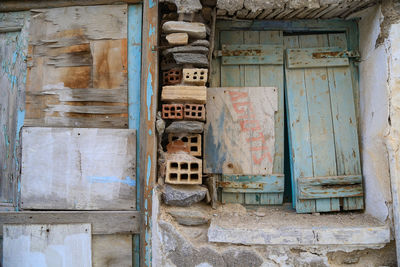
(193, 148)
(193, 139)
(184, 139)
(201, 72)
(174, 138)
(194, 176)
(172, 108)
(173, 176)
(195, 72)
(201, 78)
(193, 107)
(194, 77)
(173, 165)
(194, 166)
(184, 176)
(199, 114)
(178, 108)
(187, 76)
(193, 113)
(166, 107)
(184, 166)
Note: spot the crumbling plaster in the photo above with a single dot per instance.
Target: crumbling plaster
(374, 114)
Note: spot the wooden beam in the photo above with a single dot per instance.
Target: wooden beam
(148, 136)
(103, 222)
(8, 6)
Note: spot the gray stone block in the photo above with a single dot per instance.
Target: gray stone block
(186, 49)
(198, 60)
(183, 195)
(239, 257)
(190, 216)
(185, 127)
(193, 29)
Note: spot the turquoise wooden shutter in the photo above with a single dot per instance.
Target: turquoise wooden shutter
(325, 161)
(251, 59)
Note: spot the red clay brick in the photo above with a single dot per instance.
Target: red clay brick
(195, 112)
(173, 76)
(172, 111)
(191, 141)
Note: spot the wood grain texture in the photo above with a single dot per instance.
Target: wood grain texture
(239, 133)
(13, 48)
(316, 57)
(81, 169)
(76, 54)
(103, 222)
(47, 245)
(252, 54)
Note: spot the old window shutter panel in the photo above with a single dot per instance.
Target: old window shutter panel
(325, 161)
(249, 61)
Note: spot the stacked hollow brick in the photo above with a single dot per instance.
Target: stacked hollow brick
(184, 66)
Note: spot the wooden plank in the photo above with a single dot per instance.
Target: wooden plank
(47, 245)
(252, 54)
(12, 5)
(251, 78)
(252, 184)
(81, 169)
(100, 121)
(318, 192)
(75, 60)
(112, 250)
(344, 122)
(314, 57)
(182, 94)
(297, 116)
(13, 48)
(320, 117)
(239, 127)
(272, 75)
(103, 222)
(134, 79)
(148, 138)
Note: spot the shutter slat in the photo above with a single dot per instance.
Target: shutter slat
(316, 57)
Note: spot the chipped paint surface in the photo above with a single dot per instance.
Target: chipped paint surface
(13, 50)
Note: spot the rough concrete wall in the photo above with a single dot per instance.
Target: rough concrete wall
(374, 114)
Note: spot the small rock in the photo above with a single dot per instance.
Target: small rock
(193, 29)
(190, 216)
(316, 214)
(180, 38)
(186, 49)
(259, 214)
(241, 14)
(230, 5)
(198, 60)
(160, 124)
(221, 12)
(200, 43)
(183, 195)
(186, 6)
(185, 127)
(234, 257)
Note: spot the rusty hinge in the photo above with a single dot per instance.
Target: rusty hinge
(337, 54)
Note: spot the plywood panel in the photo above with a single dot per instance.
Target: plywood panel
(112, 250)
(77, 48)
(46, 245)
(239, 133)
(81, 169)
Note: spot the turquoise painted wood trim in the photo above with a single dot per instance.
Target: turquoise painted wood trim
(333, 180)
(134, 74)
(319, 192)
(252, 183)
(306, 58)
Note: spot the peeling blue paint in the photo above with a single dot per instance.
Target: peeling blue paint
(14, 58)
(149, 93)
(151, 4)
(111, 179)
(20, 123)
(145, 204)
(150, 132)
(148, 244)
(18, 194)
(152, 30)
(6, 136)
(148, 171)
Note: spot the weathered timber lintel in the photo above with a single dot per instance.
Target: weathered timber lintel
(103, 222)
(8, 6)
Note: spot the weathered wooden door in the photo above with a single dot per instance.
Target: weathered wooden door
(250, 59)
(325, 161)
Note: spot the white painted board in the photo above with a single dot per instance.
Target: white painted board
(78, 168)
(43, 245)
(239, 136)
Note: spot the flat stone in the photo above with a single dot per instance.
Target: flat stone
(198, 60)
(221, 12)
(180, 38)
(185, 127)
(238, 257)
(230, 5)
(193, 29)
(190, 216)
(186, 49)
(186, 6)
(183, 195)
(200, 43)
